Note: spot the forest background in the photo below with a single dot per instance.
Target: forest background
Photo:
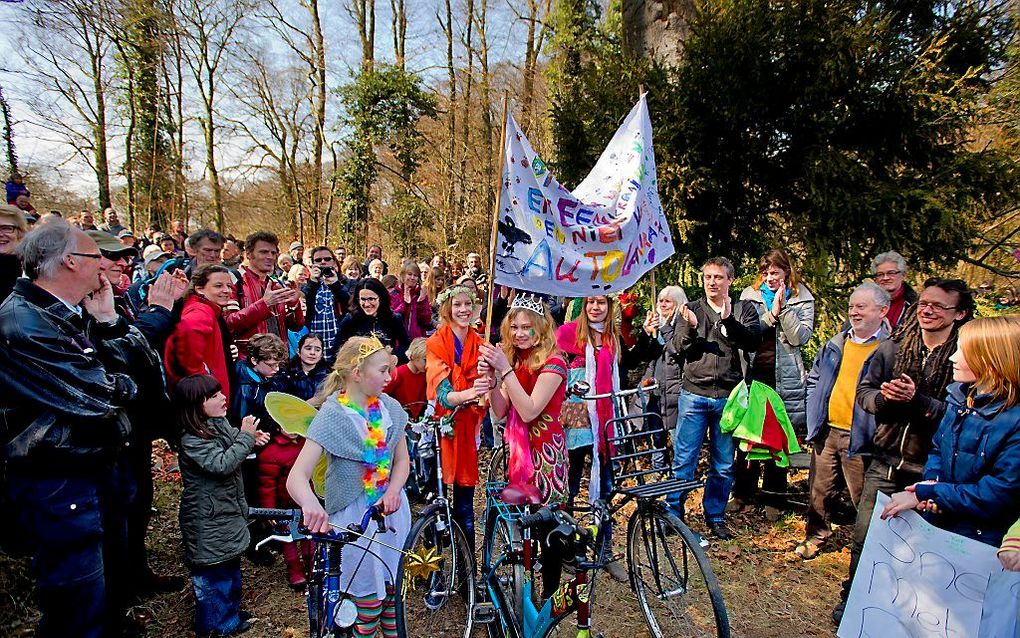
(835, 129)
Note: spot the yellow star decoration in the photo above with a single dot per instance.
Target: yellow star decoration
(421, 563)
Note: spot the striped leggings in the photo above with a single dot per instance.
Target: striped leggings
(377, 617)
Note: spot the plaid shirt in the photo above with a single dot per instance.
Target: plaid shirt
(325, 323)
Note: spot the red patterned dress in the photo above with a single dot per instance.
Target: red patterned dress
(545, 434)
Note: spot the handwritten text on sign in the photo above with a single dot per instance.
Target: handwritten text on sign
(915, 579)
(599, 239)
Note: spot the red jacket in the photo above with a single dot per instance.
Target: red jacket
(197, 344)
(274, 464)
(250, 320)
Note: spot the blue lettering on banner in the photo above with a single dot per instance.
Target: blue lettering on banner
(541, 251)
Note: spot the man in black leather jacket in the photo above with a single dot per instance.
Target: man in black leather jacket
(65, 361)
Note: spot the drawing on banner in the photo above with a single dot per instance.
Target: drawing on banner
(600, 238)
(915, 579)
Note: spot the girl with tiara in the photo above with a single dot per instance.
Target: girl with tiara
(361, 432)
(530, 387)
(452, 380)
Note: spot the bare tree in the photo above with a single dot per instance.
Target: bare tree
(363, 12)
(68, 56)
(208, 30)
(537, 12)
(399, 11)
(11, 151)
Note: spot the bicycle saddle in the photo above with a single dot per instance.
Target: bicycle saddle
(521, 494)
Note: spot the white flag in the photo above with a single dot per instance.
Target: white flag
(599, 239)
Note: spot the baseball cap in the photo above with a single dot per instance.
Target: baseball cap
(125, 233)
(152, 256)
(110, 245)
(294, 245)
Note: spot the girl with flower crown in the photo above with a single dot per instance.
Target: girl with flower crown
(361, 432)
(453, 379)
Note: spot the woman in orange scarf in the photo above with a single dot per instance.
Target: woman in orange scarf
(452, 377)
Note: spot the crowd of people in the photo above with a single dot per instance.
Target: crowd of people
(109, 342)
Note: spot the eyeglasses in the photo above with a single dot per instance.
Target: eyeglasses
(921, 305)
(322, 260)
(9, 229)
(92, 255)
(887, 273)
(368, 299)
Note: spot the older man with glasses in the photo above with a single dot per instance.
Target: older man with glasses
(326, 299)
(890, 271)
(67, 366)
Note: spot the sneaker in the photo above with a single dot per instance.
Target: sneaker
(736, 506)
(808, 549)
(720, 531)
(615, 569)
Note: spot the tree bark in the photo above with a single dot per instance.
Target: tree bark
(318, 142)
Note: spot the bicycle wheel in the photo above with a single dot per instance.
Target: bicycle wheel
(497, 465)
(437, 577)
(670, 573)
(503, 539)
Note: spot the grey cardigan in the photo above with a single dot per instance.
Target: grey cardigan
(341, 440)
(794, 327)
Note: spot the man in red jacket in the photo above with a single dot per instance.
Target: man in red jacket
(264, 304)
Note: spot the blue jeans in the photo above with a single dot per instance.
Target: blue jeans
(696, 415)
(76, 530)
(217, 597)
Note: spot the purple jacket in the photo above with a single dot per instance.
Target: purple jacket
(417, 315)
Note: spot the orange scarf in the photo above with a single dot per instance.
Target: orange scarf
(460, 455)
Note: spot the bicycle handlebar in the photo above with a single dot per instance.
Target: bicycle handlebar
(293, 516)
(581, 389)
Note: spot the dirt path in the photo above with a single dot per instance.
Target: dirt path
(768, 590)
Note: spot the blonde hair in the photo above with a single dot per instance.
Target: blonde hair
(417, 349)
(348, 359)
(991, 347)
(545, 330)
(410, 266)
(432, 283)
(451, 293)
(611, 334)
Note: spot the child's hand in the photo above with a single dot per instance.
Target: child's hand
(261, 438)
(1010, 560)
(249, 424)
(390, 501)
(315, 518)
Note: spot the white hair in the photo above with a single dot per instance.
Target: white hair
(890, 256)
(44, 248)
(881, 297)
(676, 293)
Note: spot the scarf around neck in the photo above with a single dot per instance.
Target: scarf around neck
(769, 296)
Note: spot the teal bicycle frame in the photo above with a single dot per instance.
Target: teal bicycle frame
(570, 597)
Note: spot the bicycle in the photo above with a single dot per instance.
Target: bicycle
(667, 567)
(438, 568)
(332, 612)
(421, 450)
(510, 561)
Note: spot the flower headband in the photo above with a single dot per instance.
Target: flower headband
(453, 291)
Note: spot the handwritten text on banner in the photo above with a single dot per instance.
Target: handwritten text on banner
(599, 239)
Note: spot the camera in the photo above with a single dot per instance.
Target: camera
(326, 271)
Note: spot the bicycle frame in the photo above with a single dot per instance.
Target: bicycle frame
(570, 597)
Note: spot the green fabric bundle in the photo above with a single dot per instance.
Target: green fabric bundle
(756, 415)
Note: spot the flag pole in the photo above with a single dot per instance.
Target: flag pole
(655, 294)
(495, 222)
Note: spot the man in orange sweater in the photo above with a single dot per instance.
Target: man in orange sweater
(837, 426)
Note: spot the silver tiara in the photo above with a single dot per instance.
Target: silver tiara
(530, 302)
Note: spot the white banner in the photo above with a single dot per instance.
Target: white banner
(916, 580)
(599, 239)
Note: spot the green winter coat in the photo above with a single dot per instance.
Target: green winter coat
(214, 513)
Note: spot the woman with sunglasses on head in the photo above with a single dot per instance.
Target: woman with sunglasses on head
(371, 315)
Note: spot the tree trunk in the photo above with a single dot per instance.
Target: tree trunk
(451, 129)
(399, 10)
(490, 179)
(318, 142)
(466, 128)
(12, 154)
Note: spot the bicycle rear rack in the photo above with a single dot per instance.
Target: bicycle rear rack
(638, 454)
